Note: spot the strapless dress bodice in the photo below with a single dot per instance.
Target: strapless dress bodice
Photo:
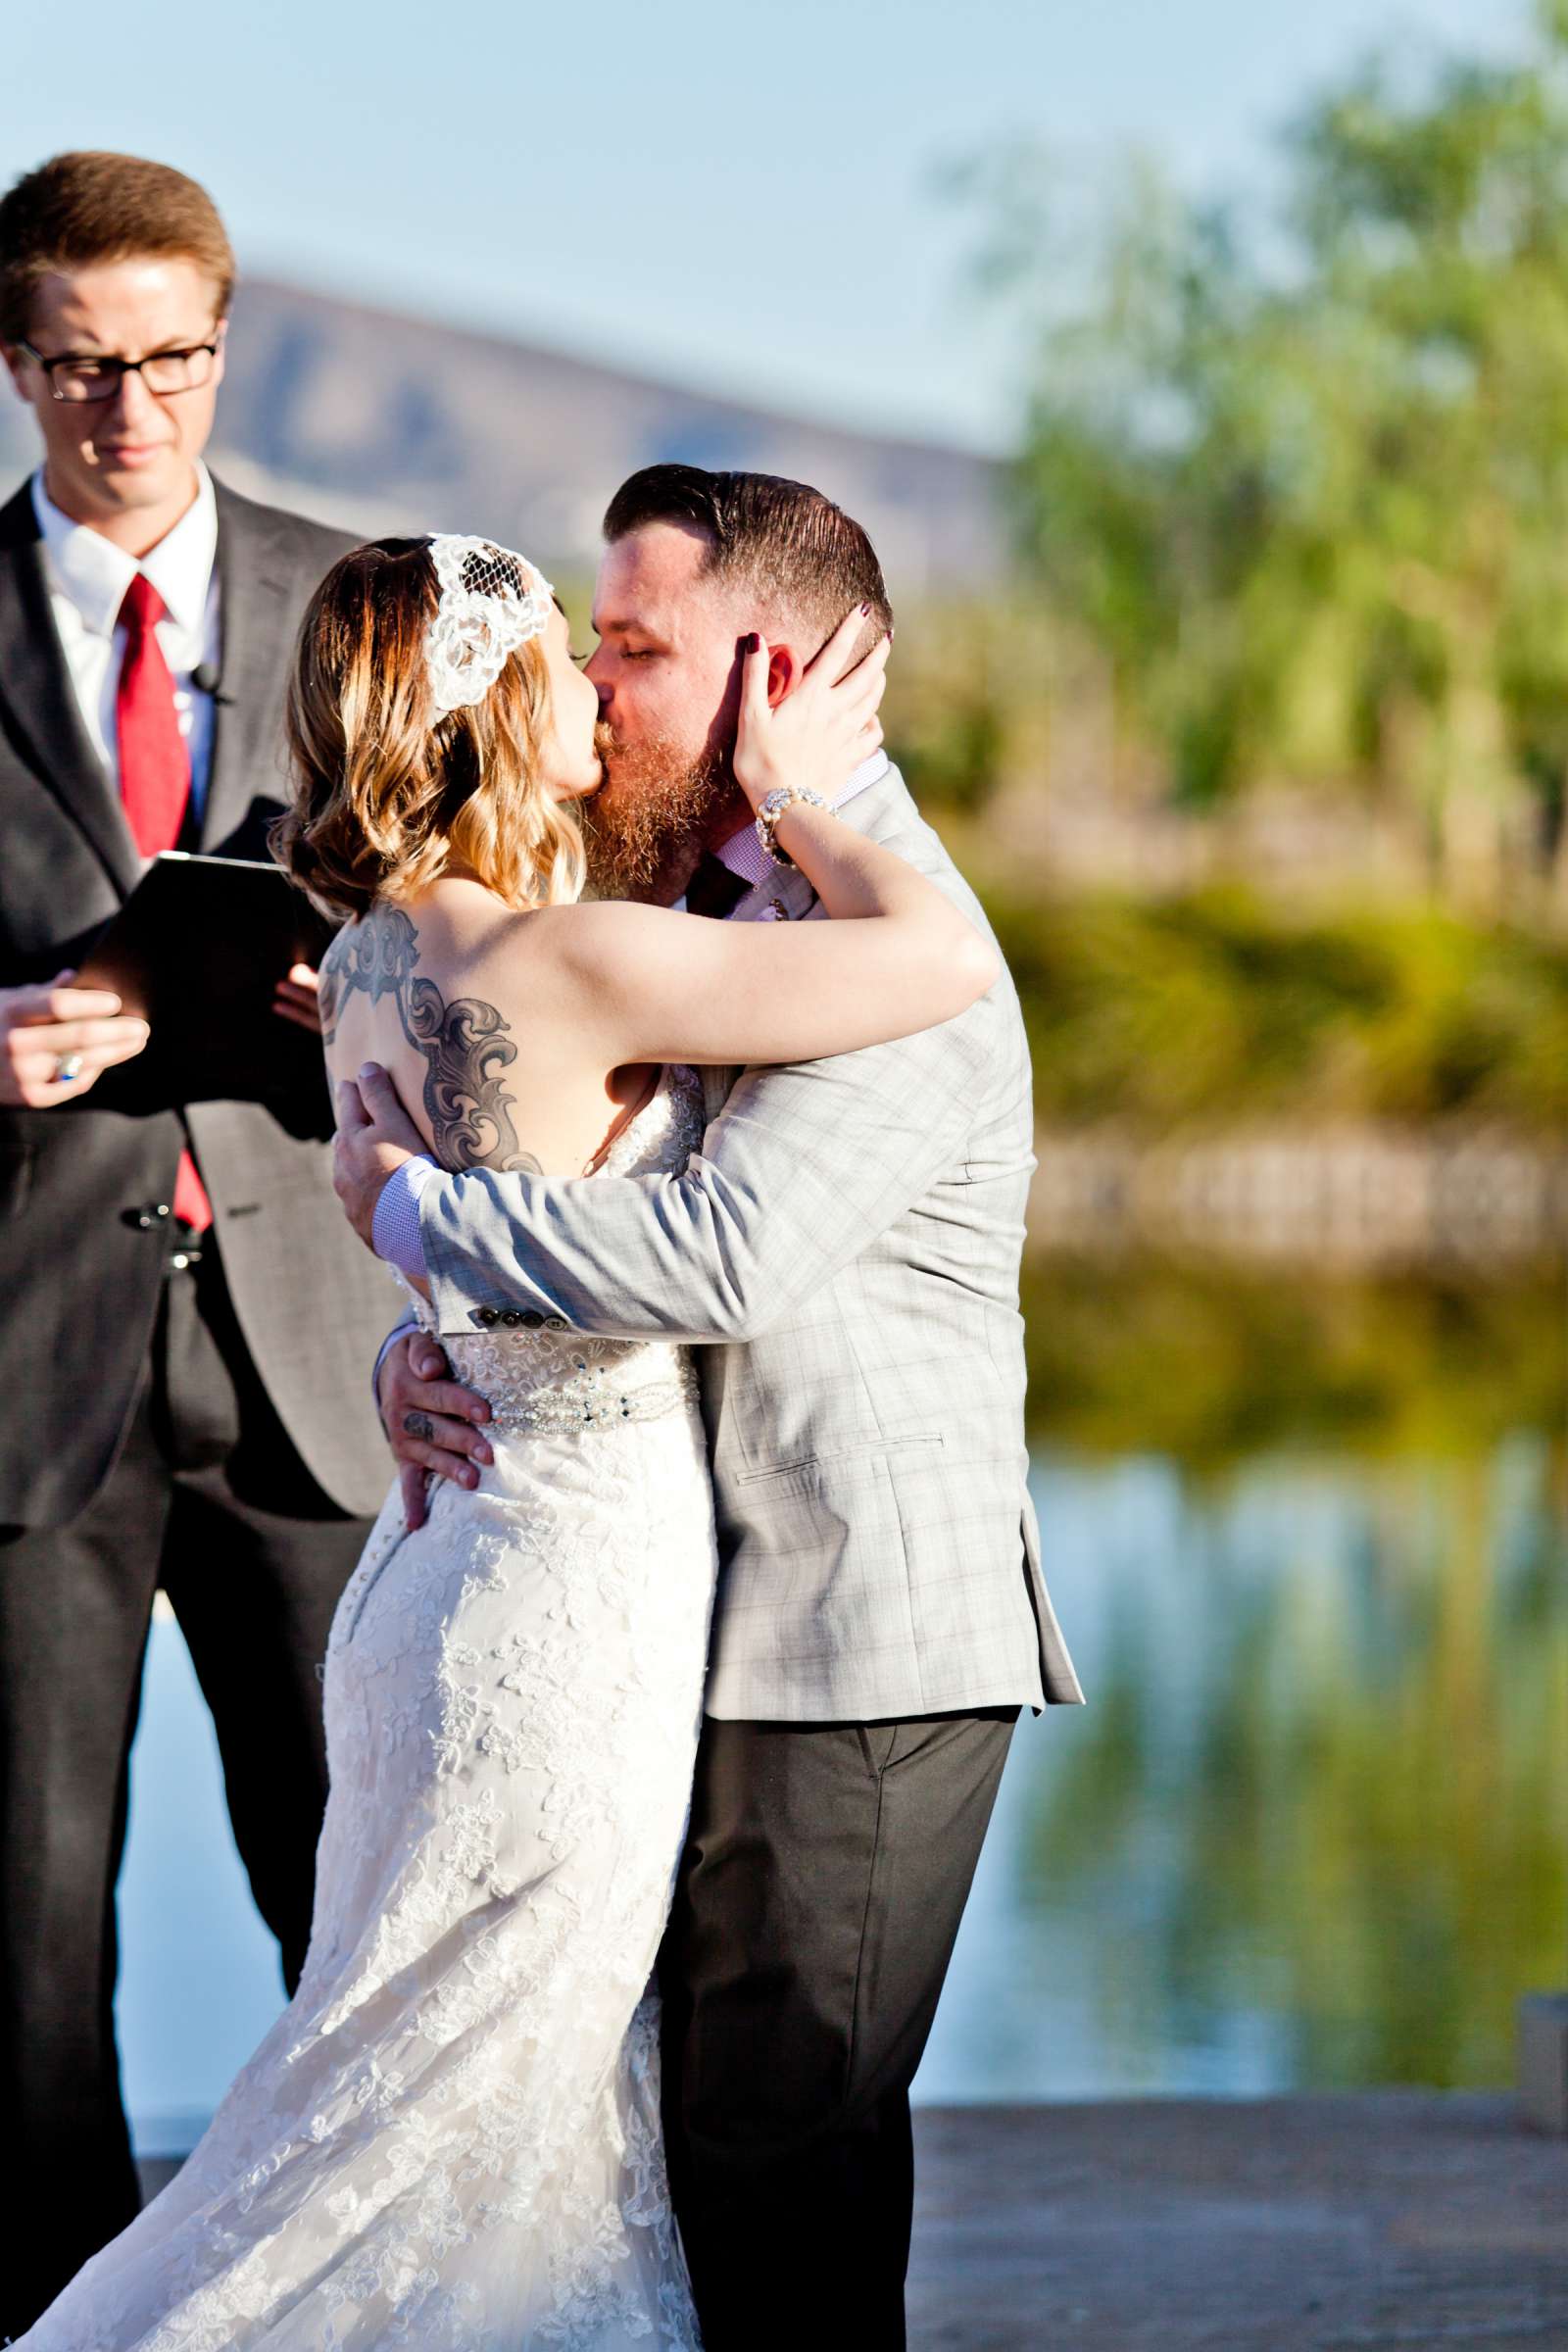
(541, 1377)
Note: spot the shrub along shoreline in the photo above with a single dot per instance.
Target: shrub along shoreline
(1223, 1009)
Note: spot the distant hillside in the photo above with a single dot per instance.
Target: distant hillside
(384, 422)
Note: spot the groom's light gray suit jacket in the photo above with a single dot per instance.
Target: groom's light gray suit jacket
(847, 1243)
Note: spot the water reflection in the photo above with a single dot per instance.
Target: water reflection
(1312, 1828)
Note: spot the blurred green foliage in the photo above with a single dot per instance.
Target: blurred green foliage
(967, 705)
(1211, 1364)
(1222, 1007)
(1299, 475)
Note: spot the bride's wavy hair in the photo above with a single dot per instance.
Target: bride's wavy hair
(386, 793)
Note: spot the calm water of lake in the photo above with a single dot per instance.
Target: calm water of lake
(1312, 1830)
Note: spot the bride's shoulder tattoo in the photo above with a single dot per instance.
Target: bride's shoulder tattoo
(465, 1045)
(376, 956)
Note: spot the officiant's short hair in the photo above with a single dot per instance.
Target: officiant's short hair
(89, 207)
(800, 553)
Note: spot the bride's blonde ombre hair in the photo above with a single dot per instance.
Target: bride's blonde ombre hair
(387, 794)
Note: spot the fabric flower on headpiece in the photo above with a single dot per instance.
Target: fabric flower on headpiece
(491, 601)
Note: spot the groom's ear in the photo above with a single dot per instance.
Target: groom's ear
(785, 670)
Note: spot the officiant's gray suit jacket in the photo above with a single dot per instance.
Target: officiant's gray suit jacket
(846, 1247)
(79, 1275)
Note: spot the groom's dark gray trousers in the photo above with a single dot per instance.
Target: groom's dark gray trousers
(824, 1877)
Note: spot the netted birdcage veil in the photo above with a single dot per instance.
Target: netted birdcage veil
(491, 601)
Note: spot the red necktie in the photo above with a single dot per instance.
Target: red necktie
(154, 785)
(154, 763)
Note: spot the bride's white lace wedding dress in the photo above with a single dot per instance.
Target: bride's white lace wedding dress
(451, 2138)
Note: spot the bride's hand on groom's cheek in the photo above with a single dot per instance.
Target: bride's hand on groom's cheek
(435, 1427)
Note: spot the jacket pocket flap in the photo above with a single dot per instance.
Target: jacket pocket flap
(835, 1457)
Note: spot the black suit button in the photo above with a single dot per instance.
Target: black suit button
(532, 1320)
(484, 1316)
(510, 1318)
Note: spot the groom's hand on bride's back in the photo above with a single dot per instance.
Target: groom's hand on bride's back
(435, 1427)
(374, 1137)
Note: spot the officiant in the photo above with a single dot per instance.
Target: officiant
(186, 1315)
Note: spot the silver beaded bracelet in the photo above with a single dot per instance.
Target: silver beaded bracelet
(772, 809)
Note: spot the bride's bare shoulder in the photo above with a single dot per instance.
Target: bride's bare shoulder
(597, 931)
(548, 956)
(454, 920)
(399, 946)
(462, 941)
(452, 927)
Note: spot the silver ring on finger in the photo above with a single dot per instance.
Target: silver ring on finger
(69, 1068)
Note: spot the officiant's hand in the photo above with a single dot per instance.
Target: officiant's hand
(45, 1030)
(374, 1137)
(297, 999)
(431, 1424)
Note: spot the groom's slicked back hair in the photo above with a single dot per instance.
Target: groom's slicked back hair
(805, 560)
(91, 206)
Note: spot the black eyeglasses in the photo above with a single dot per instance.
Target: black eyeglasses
(101, 377)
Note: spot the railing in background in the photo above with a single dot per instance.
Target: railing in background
(1357, 1198)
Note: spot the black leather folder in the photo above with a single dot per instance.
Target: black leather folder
(197, 951)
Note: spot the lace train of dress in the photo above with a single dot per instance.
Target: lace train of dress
(451, 2138)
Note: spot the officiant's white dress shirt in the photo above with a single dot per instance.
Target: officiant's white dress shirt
(88, 576)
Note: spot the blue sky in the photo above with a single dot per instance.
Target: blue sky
(742, 198)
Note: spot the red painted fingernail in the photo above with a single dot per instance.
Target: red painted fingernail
(753, 641)
(865, 611)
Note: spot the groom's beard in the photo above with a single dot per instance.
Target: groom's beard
(644, 829)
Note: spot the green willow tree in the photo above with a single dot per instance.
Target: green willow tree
(1302, 480)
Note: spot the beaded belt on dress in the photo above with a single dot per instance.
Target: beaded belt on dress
(574, 1388)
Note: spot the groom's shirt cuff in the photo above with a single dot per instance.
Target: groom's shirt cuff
(395, 1227)
(744, 854)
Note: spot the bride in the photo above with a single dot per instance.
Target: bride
(450, 2141)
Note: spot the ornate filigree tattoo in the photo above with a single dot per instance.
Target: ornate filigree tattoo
(465, 1045)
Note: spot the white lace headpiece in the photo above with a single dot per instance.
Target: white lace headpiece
(491, 602)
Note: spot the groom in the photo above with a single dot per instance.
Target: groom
(847, 1245)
